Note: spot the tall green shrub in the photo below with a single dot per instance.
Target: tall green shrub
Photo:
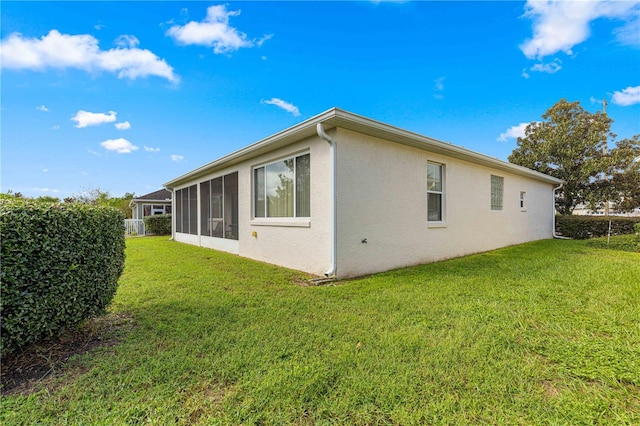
(60, 265)
(159, 224)
(582, 227)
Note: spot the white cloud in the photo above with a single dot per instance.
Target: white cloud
(290, 108)
(125, 125)
(55, 191)
(560, 25)
(45, 170)
(549, 68)
(626, 97)
(151, 149)
(513, 132)
(56, 50)
(438, 87)
(42, 108)
(175, 157)
(56, 127)
(86, 118)
(264, 39)
(214, 31)
(127, 41)
(630, 32)
(121, 146)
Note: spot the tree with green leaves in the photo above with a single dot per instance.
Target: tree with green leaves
(622, 186)
(99, 197)
(578, 147)
(48, 199)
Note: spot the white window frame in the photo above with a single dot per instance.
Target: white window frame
(158, 209)
(283, 220)
(442, 194)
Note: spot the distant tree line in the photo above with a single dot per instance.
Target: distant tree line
(94, 197)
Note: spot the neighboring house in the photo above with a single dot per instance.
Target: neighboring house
(343, 195)
(158, 202)
(584, 210)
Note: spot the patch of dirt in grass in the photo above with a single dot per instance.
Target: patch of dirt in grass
(550, 389)
(37, 366)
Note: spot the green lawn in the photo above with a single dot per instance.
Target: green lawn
(541, 333)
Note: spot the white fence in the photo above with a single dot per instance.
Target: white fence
(133, 227)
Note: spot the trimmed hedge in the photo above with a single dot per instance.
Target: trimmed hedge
(60, 265)
(159, 224)
(582, 227)
(618, 242)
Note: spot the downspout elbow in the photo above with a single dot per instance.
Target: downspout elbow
(333, 269)
(554, 215)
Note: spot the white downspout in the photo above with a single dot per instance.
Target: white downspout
(334, 216)
(554, 214)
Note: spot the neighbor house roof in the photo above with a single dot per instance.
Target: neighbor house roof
(159, 195)
(336, 117)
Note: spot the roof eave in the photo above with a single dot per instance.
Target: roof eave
(336, 117)
(377, 129)
(299, 131)
(149, 200)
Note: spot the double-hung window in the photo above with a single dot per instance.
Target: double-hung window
(283, 188)
(435, 192)
(497, 192)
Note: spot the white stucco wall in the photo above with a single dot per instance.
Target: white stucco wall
(301, 244)
(382, 197)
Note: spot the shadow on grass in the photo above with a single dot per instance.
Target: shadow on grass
(40, 365)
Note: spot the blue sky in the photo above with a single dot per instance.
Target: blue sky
(124, 96)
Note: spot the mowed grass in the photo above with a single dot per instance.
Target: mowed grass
(541, 333)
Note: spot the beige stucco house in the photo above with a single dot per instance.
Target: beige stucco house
(343, 195)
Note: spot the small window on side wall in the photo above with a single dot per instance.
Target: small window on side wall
(435, 192)
(497, 192)
(523, 204)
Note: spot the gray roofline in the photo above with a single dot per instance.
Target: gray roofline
(135, 201)
(148, 200)
(336, 117)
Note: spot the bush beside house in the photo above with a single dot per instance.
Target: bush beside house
(60, 265)
(582, 227)
(159, 224)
